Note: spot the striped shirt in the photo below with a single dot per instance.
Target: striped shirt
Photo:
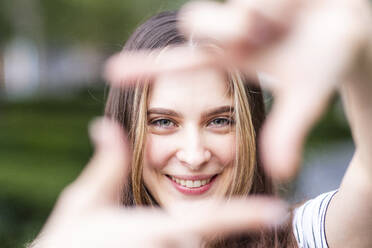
(309, 222)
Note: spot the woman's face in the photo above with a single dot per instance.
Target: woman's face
(190, 146)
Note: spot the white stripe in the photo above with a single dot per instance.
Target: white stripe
(309, 220)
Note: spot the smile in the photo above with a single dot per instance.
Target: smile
(191, 183)
(194, 185)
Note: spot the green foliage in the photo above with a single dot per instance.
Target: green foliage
(43, 147)
(105, 23)
(333, 126)
(5, 28)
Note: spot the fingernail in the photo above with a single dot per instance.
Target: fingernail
(102, 132)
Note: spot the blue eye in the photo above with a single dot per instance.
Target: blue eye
(163, 123)
(221, 122)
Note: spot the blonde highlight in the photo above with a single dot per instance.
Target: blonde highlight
(245, 162)
(140, 194)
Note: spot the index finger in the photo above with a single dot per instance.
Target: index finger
(228, 217)
(130, 67)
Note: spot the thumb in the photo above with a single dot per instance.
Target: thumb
(103, 179)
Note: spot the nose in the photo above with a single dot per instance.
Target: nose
(192, 151)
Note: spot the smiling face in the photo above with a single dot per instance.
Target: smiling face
(190, 146)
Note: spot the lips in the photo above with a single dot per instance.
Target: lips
(192, 185)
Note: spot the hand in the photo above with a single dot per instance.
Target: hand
(306, 49)
(89, 213)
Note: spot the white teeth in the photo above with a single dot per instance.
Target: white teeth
(191, 183)
(197, 183)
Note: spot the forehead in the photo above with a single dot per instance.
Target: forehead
(198, 89)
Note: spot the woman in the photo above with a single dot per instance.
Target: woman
(173, 139)
(153, 113)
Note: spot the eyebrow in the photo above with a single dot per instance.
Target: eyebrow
(218, 110)
(163, 111)
(215, 111)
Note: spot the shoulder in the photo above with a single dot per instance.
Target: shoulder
(309, 220)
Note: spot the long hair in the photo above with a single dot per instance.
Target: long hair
(128, 106)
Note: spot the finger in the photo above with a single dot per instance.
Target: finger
(131, 67)
(233, 216)
(102, 181)
(248, 23)
(213, 21)
(286, 129)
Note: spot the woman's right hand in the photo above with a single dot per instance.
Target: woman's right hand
(305, 50)
(89, 211)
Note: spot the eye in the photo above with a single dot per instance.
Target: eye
(162, 123)
(221, 122)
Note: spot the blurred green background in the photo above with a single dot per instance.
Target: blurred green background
(43, 128)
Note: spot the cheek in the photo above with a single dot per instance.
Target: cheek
(157, 151)
(223, 147)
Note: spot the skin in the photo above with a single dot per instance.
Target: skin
(193, 141)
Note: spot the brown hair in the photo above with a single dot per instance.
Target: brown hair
(128, 107)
